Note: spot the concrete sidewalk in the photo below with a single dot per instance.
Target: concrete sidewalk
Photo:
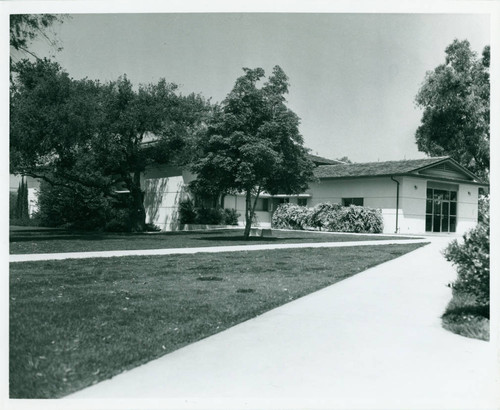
(211, 249)
(372, 341)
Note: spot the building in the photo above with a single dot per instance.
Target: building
(415, 196)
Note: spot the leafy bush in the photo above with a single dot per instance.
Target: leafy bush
(82, 208)
(322, 214)
(187, 211)
(230, 217)
(290, 216)
(472, 260)
(189, 214)
(357, 219)
(483, 208)
(78, 208)
(208, 216)
(330, 217)
(119, 221)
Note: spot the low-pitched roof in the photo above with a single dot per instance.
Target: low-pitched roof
(387, 168)
(323, 161)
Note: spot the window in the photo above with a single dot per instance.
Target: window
(302, 201)
(284, 200)
(262, 204)
(352, 201)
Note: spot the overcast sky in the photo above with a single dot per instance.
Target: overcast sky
(353, 76)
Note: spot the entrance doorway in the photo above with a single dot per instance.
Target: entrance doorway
(441, 210)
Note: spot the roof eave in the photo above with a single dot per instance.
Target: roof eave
(409, 174)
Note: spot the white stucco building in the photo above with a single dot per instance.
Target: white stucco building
(415, 196)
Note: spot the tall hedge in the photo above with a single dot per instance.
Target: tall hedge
(329, 217)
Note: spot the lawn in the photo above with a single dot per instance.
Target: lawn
(24, 241)
(74, 323)
(465, 317)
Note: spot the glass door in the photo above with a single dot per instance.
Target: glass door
(441, 210)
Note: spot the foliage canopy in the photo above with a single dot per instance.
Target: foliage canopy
(456, 101)
(253, 143)
(81, 132)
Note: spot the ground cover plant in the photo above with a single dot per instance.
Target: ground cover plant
(23, 241)
(74, 323)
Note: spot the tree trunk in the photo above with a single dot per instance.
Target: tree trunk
(249, 210)
(137, 212)
(248, 214)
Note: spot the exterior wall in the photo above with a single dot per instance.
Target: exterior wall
(412, 205)
(467, 207)
(379, 193)
(237, 202)
(164, 188)
(414, 195)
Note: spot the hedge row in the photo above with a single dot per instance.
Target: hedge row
(329, 217)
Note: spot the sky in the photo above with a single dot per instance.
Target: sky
(353, 77)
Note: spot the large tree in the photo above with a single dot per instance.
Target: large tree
(25, 28)
(253, 144)
(81, 132)
(455, 97)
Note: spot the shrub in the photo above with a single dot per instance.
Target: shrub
(357, 219)
(82, 208)
(78, 208)
(483, 208)
(230, 217)
(331, 217)
(290, 216)
(187, 212)
(322, 214)
(472, 260)
(208, 216)
(119, 221)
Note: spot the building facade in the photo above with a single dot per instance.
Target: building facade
(433, 195)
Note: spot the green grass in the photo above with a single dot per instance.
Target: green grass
(74, 323)
(464, 317)
(25, 241)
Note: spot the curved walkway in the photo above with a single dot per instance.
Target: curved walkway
(371, 341)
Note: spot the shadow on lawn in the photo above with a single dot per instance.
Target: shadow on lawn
(59, 234)
(242, 238)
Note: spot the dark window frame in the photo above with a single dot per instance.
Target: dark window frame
(358, 201)
(302, 201)
(439, 199)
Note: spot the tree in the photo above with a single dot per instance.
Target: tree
(81, 132)
(253, 144)
(345, 159)
(455, 98)
(22, 207)
(24, 28)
